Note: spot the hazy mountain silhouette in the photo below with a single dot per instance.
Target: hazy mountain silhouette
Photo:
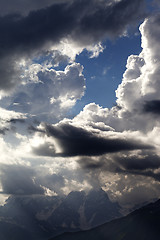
(142, 224)
(43, 217)
(81, 210)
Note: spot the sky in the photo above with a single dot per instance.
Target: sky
(79, 98)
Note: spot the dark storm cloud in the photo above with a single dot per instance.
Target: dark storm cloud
(24, 6)
(19, 180)
(85, 22)
(75, 141)
(144, 164)
(94, 19)
(140, 162)
(152, 107)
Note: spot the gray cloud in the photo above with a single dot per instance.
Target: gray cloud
(4, 130)
(19, 180)
(140, 162)
(91, 164)
(143, 164)
(8, 118)
(45, 149)
(146, 164)
(94, 19)
(53, 182)
(9, 71)
(24, 6)
(84, 22)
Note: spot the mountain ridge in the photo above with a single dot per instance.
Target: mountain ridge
(43, 217)
(141, 224)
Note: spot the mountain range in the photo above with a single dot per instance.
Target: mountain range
(142, 224)
(43, 217)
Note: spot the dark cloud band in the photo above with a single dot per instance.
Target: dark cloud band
(75, 141)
